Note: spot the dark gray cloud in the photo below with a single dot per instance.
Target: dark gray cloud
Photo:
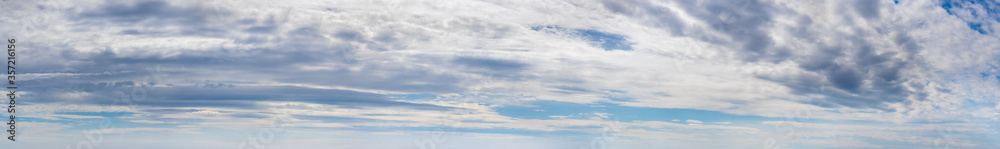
(744, 22)
(208, 78)
(95, 91)
(657, 16)
(868, 9)
(491, 64)
(850, 65)
(857, 74)
(147, 13)
(350, 99)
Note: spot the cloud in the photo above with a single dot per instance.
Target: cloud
(724, 123)
(819, 132)
(977, 14)
(338, 65)
(161, 11)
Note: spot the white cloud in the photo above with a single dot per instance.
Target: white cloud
(914, 134)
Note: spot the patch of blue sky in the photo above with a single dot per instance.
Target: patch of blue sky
(980, 21)
(607, 41)
(614, 91)
(545, 109)
(978, 27)
(41, 120)
(549, 110)
(63, 120)
(116, 119)
(985, 75)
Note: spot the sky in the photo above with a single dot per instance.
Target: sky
(490, 74)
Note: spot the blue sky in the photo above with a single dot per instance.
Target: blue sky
(585, 74)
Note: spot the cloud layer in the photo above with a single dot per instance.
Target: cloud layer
(552, 74)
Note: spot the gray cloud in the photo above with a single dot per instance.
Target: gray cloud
(491, 64)
(862, 76)
(155, 13)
